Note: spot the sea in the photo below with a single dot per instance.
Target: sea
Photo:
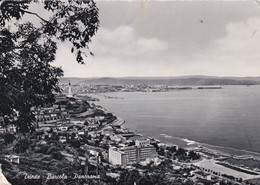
(226, 119)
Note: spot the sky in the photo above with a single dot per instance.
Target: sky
(171, 38)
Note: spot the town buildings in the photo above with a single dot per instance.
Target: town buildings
(141, 151)
(12, 158)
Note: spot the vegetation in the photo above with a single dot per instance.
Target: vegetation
(27, 50)
(162, 174)
(22, 146)
(9, 138)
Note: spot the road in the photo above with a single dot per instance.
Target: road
(118, 122)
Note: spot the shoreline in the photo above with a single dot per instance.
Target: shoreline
(221, 151)
(191, 143)
(216, 158)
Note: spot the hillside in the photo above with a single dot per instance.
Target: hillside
(171, 81)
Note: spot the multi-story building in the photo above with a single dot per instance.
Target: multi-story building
(132, 154)
(146, 152)
(116, 157)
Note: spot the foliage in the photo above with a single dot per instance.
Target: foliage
(27, 50)
(9, 138)
(129, 177)
(5, 164)
(151, 180)
(22, 145)
(172, 149)
(51, 150)
(75, 143)
(57, 156)
(180, 152)
(54, 137)
(42, 149)
(193, 155)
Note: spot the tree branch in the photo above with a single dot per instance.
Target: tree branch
(37, 15)
(32, 13)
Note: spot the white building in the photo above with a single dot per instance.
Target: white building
(143, 142)
(11, 129)
(116, 157)
(69, 95)
(2, 130)
(131, 154)
(12, 158)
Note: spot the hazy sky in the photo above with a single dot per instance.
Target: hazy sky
(171, 38)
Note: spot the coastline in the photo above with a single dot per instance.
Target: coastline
(225, 149)
(220, 151)
(210, 161)
(216, 159)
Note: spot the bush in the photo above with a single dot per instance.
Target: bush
(54, 137)
(22, 146)
(51, 150)
(9, 138)
(43, 149)
(193, 155)
(57, 156)
(5, 165)
(75, 143)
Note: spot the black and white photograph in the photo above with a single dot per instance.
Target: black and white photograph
(129, 92)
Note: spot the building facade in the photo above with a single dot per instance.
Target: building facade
(131, 154)
(116, 157)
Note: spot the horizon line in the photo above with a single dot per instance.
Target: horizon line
(164, 76)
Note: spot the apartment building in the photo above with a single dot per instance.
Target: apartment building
(132, 154)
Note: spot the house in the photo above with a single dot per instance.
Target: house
(12, 158)
(2, 130)
(11, 129)
(63, 128)
(81, 132)
(113, 175)
(62, 139)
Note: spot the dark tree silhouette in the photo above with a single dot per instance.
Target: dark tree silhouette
(27, 50)
(193, 155)
(129, 177)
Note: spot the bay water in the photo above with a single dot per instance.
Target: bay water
(227, 117)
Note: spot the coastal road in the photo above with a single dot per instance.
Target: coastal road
(118, 122)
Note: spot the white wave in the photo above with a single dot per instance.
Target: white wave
(165, 135)
(189, 142)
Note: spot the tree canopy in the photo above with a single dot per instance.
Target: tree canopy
(28, 49)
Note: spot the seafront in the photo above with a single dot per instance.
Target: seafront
(86, 136)
(246, 160)
(214, 161)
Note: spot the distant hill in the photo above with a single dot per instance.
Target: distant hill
(170, 81)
